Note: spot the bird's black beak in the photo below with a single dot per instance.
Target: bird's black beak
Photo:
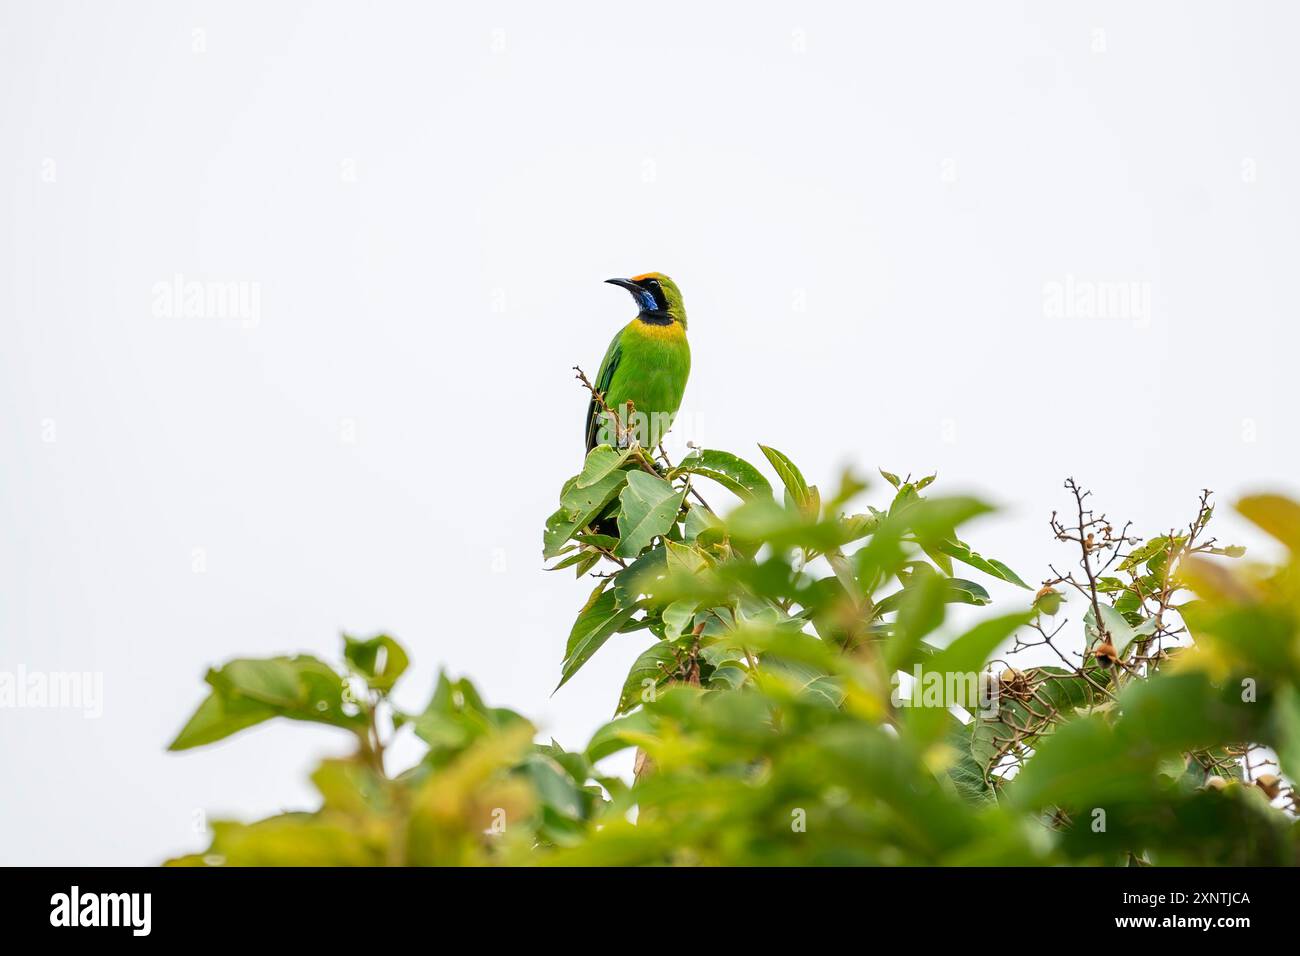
(626, 284)
(645, 299)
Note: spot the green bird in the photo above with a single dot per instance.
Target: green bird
(646, 365)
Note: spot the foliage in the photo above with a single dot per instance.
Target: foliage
(782, 711)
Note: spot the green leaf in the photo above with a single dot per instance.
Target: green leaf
(649, 507)
(971, 650)
(1259, 638)
(576, 557)
(813, 506)
(698, 521)
(1065, 690)
(456, 717)
(301, 687)
(349, 786)
(289, 839)
(684, 559)
(618, 735)
(850, 487)
(555, 788)
(272, 681)
(640, 577)
(1286, 722)
(942, 561)
(559, 528)
(967, 654)
(1174, 766)
(597, 622)
(965, 555)
(657, 664)
(859, 526)
(920, 611)
(965, 772)
(1277, 515)
(807, 681)
(380, 660)
(790, 476)
(890, 477)
(578, 506)
(732, 472)
(961, 591)
(601, 461)
(677, 617)
(1229, 551)
(1185, 711)
(219, 717)
(1082, 764)
(763, 521)
(954, 590)
(932, 521)
(248, 691)
(1143, 553)
(1087, 761)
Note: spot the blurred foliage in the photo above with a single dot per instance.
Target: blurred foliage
(781, 711)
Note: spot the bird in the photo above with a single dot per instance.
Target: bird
(647, 365)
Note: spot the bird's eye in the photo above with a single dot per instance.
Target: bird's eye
(653, 282)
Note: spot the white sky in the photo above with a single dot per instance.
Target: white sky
(865, 209)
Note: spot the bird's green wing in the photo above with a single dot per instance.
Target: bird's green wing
(603, 379)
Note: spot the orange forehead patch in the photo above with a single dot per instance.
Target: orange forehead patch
(647, 275)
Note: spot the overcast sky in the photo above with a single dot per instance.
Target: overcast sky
(1003, 242)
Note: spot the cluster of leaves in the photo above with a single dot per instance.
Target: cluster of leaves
(1133, 592)
(482, 793)
(802, 566)
(772, 723)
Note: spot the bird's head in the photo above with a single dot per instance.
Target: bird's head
(657, 297)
